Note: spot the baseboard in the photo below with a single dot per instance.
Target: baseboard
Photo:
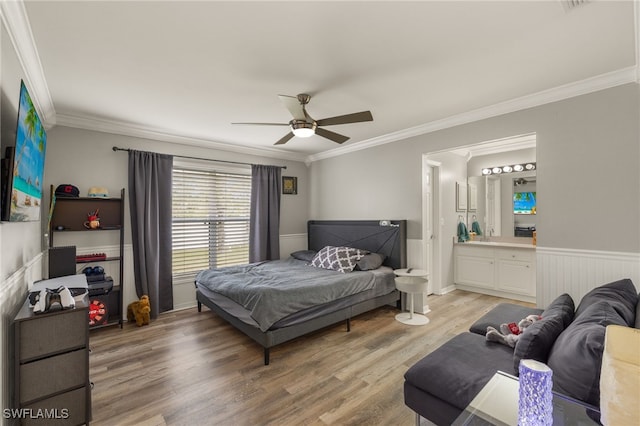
(447, 289)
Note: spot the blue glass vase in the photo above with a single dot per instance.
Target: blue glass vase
(535, 406)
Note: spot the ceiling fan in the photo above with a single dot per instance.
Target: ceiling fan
(303, 125)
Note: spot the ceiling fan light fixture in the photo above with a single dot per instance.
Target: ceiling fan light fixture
(302, 128)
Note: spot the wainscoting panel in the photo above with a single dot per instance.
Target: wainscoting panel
(578, 271)
(13, 291)
(292, 242)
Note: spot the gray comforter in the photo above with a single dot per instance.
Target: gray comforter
(272, 290)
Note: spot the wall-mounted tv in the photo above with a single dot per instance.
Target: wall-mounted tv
(24, 180)
(524, 203)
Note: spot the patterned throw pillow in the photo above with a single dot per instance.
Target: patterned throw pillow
(341, 259)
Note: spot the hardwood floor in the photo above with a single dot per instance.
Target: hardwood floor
(191, 368)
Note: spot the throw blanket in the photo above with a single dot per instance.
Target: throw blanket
(274, 289)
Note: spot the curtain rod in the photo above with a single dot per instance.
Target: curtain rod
(115, 148)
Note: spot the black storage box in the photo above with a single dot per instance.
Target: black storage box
(97, 288)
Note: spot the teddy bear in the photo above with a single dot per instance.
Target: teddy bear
(511, 332)
(140, 311)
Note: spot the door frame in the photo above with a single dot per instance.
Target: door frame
(434, 264)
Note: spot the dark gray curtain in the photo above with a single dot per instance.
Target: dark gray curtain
(264, 228)
(150, 205)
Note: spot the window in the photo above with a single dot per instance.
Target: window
(210, 218)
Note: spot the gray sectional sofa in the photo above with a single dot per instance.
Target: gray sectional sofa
(570, 341)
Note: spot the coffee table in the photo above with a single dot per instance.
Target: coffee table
(497, 404)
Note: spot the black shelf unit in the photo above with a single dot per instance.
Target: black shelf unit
(68, 215)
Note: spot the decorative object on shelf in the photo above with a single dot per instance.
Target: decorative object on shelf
(140, 311)
(93, 221)
(535, 405)
(67, 190)
(98, 192)
(98, 314)
(93, 257)
(289, 185)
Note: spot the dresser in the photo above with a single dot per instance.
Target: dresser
(51, 365)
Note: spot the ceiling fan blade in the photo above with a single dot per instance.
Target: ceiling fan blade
(264, 124)
(284, 139)
(356, 117)
(294, 106)
(336, 137)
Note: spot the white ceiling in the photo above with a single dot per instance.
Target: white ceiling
(187, 70)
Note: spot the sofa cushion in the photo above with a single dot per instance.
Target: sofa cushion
(502, 313)
(459, 369)
(621, 295)
(537, 339)
(563, 307)
(576, 357)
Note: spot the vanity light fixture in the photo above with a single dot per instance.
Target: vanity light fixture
(508, 169)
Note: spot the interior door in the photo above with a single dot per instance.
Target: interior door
(429, 231)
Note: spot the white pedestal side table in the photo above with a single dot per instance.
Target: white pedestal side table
(412, 281)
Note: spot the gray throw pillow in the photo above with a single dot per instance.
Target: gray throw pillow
(370, 261)
(537, 340)
(563, 307)
(621, 295)
(576, 357)
(306, 255)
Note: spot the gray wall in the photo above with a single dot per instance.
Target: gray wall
(20, 243)
(85, 158)
(587, 153)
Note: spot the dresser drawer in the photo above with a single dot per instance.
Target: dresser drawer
(54, 374)
(523, 255)
(69, 408)
(52, 334)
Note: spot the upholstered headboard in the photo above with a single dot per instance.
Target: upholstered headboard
(388, 237)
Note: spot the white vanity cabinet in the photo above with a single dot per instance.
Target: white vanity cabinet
(507, 270)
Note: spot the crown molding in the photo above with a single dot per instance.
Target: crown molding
(15, 20)
(589, 85)
(495, 146)
(125, 129)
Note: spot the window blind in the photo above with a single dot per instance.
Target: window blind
(210, 219)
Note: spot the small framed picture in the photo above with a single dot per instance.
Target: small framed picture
(289, 185)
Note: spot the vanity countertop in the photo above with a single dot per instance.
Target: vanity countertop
(498, 244)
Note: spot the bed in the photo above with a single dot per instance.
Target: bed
(300, 310)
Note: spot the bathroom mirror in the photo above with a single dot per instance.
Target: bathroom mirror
(494, 202)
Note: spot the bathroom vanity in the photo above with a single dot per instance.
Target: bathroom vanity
(503, 269)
